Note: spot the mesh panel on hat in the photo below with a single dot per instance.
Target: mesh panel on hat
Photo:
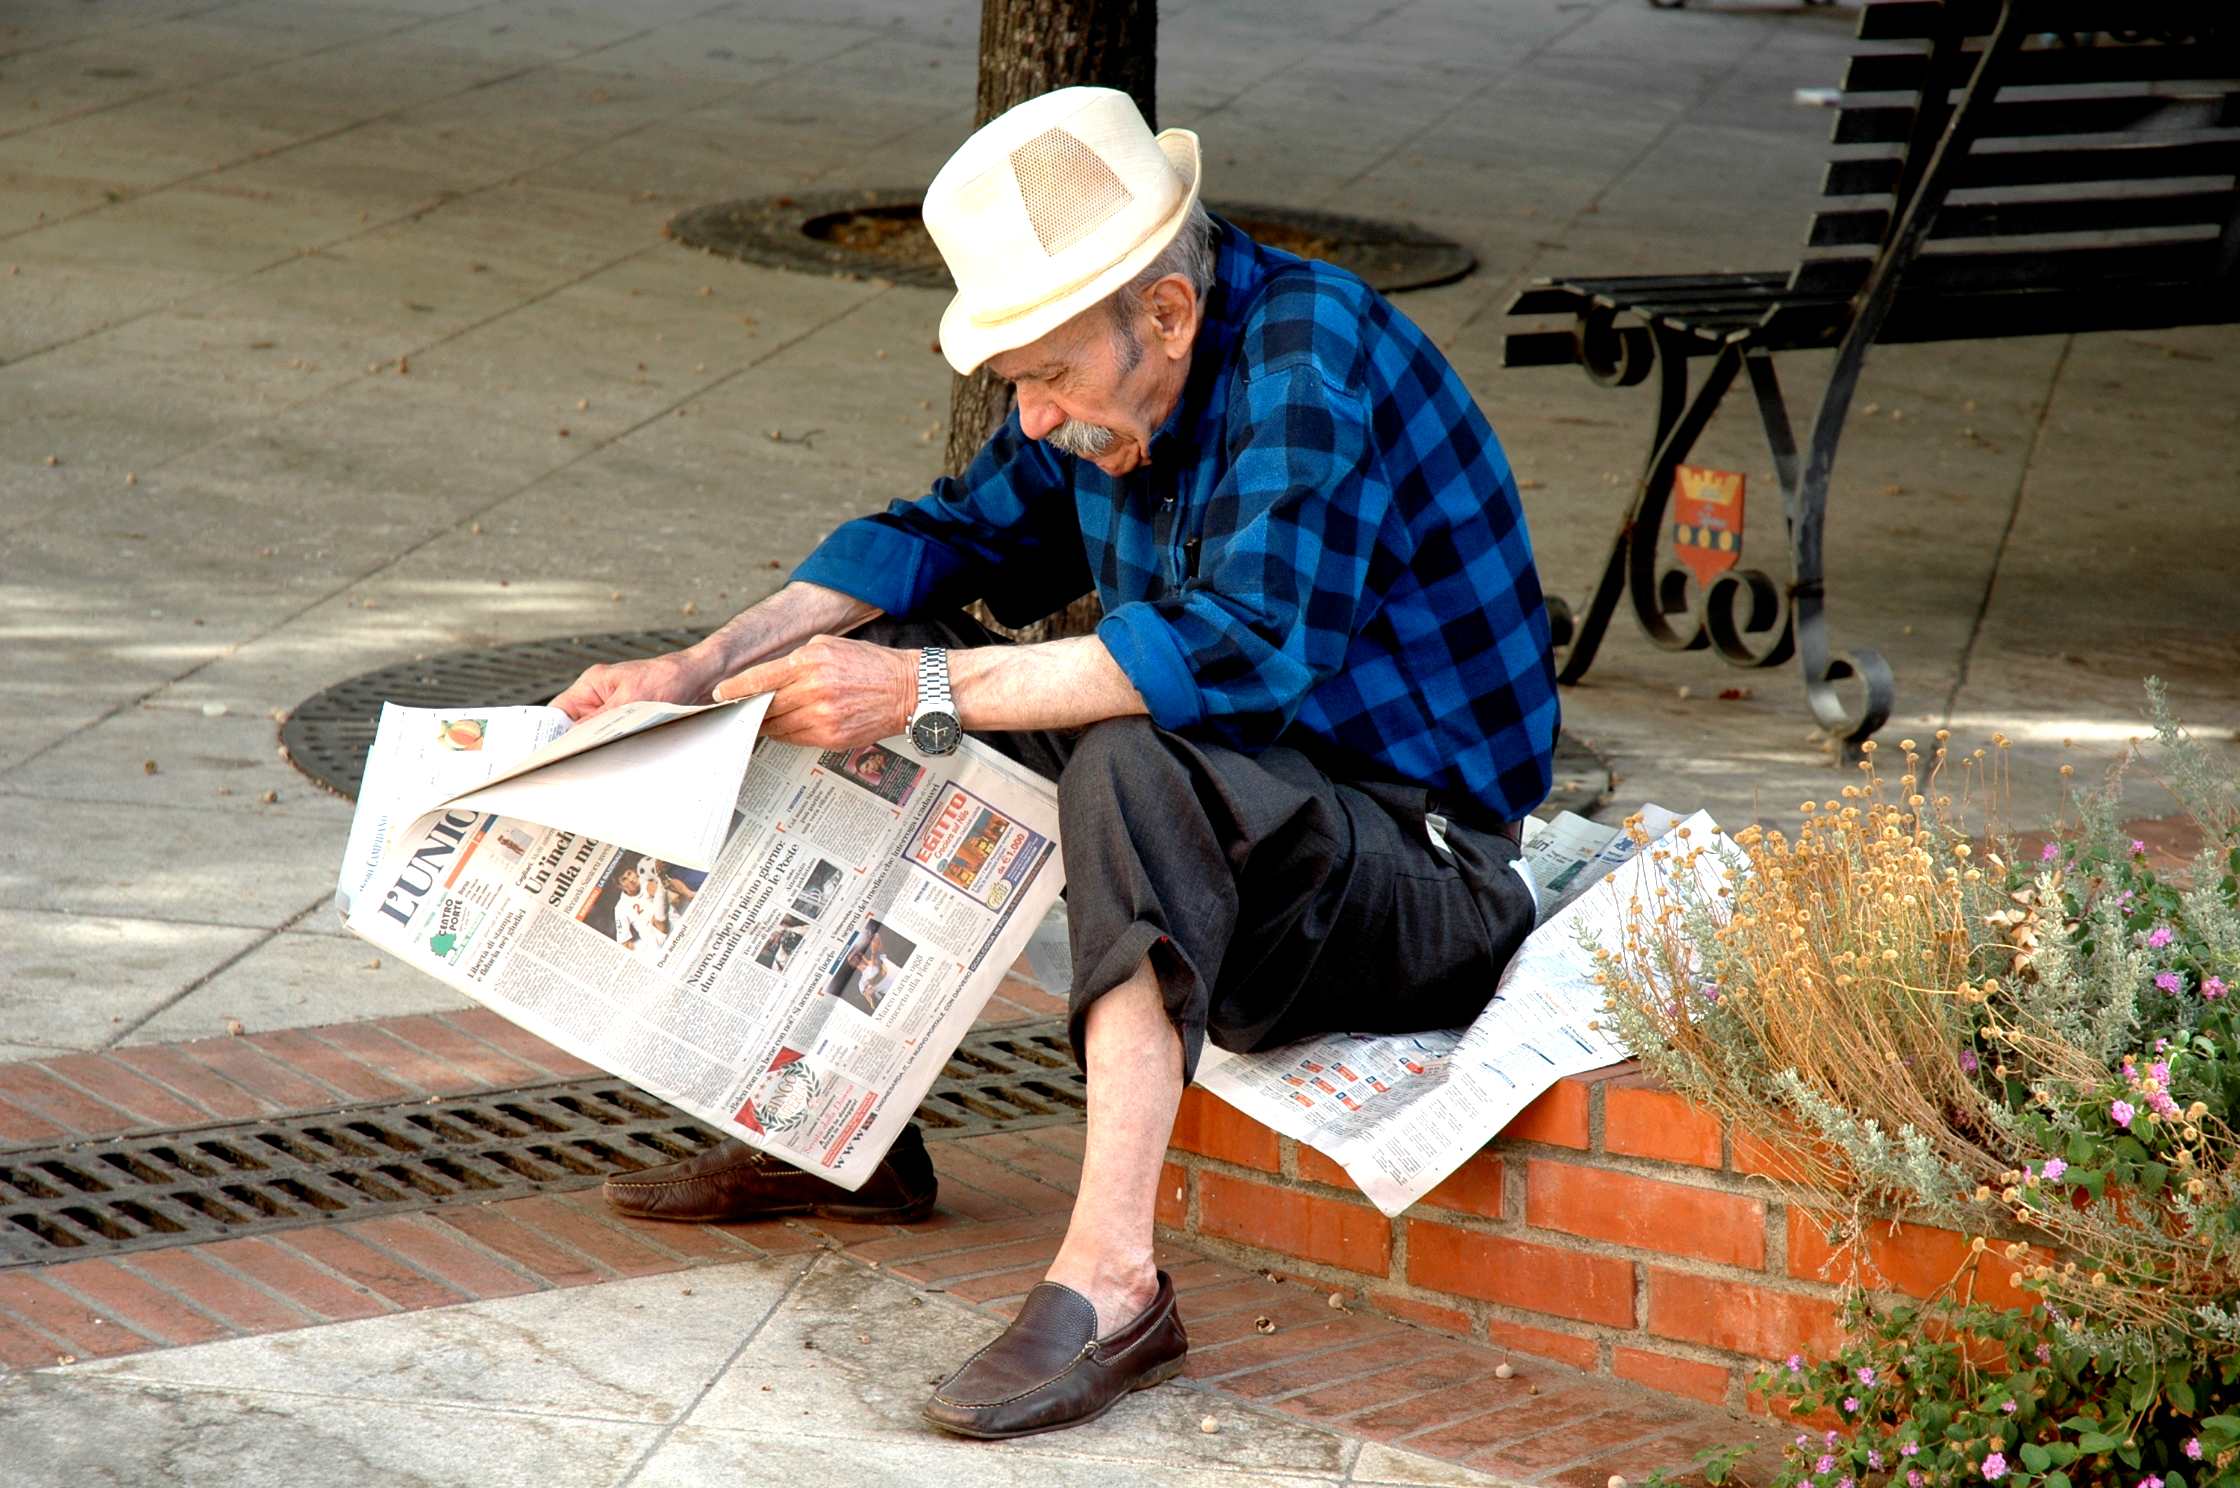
(1067, 190)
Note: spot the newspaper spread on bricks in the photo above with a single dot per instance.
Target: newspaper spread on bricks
(785, 942)
(1399, 1112)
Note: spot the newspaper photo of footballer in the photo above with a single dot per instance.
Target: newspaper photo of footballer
(870, 967)
(778, 947)
(642, 902)
(889, 776)
(818, 892)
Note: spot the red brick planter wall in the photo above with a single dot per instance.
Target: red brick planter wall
(1612, 1227)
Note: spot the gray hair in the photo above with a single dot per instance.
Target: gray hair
(1189, 253)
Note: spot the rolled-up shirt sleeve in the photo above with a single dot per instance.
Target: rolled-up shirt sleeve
(1005, 532)
(1283, 577)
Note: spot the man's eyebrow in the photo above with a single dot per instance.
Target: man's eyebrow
(1041, 372)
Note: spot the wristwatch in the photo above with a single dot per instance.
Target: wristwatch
(933, 728)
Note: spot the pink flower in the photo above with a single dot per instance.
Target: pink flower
(1826, 1464)
(2049, 852)
(2150, 1481)
(1866, 1376)
(2162, 1105)
(1913, 1477)
(2159, 936)
(2138, 848)
(2159, 1072)
(2045, 1350)
(2053, 1169)
(2193, 1447)
(2121, 1112)
(1907, 1449)
(1796, 1366)
(1994, 1466)
(1874, 1459)
(2007, 1406)
(2170, 981)
(2213, 988)
(1851, 1405)
(1968, 1061)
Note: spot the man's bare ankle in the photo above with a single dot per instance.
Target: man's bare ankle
(1118, 1291)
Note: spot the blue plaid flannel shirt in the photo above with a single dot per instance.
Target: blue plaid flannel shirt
(1325, 549)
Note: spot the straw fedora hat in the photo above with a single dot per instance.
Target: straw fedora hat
(1049, 208)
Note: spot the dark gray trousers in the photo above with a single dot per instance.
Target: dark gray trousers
(1273, 901)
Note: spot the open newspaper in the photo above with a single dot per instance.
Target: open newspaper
(1399, 1112)
(785, 942)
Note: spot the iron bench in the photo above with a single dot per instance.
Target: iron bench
(2038, 174)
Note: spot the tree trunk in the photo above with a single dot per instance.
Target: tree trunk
(1028, 47)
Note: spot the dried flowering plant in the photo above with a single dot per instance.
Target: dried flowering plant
(2042, 1052)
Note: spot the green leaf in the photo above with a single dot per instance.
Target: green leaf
(2035, 1457)
(2181, 1397)
(2153, 1178)
(2062, 1453)
(2095, 1441)
(2056, 1480)
(2128, 1454)
(2142, 1395)
(2080, 1148)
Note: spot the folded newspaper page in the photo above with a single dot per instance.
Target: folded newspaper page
(785, 942)
(1399, 1112)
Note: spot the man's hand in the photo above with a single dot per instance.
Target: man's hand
(676, 677)
(832, 693)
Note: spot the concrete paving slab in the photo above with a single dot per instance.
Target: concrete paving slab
(640, 1351)
(199, 760)
(151, 1436)
(246, 865)
(304, 978)
(73, 980)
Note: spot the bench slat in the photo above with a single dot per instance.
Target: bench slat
(2111, 270)
(1913, 20)
(2159, 113)
(1920, 318)
(2015, 218)
(1629, 283)
(1908, 72)
(1981, 170)
(1539, 349)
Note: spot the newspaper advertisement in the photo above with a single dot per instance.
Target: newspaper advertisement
(785, 942)
(1399, 1112)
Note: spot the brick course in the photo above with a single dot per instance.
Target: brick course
(1612, 1227)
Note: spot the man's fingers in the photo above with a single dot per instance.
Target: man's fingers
(584, 697)
(763, 677)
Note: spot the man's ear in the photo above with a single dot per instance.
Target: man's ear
(1173, 306)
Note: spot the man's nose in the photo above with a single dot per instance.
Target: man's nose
(1038, 415)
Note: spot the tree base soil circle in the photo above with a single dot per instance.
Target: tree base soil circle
(876, 234)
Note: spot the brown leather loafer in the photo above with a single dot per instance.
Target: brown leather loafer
(732, 1181)
(1049, 1370)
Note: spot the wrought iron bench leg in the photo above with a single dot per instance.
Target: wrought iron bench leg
(1804, 493)
(1622, 359)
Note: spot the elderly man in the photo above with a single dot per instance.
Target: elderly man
(1291, 757)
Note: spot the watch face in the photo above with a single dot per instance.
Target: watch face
(935, 733)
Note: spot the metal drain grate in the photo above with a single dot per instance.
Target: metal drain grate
(328, 733)
(357, 1162)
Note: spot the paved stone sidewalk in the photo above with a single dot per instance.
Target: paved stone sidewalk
(550, 1320)
(351, 335)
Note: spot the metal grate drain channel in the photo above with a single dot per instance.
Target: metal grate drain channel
(148, 1191)
(327, 734)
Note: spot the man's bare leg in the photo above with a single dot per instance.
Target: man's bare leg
(1135, 1085)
